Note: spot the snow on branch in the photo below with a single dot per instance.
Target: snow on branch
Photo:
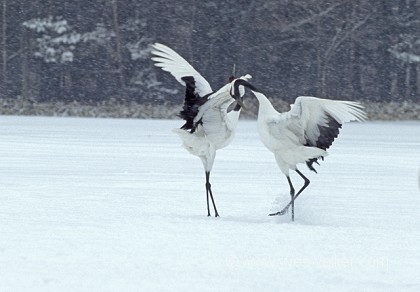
(100, 35)
(57, 39)
(40, 25)
(407, 50)
(140, 49)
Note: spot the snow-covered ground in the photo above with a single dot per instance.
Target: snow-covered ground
(118, 205)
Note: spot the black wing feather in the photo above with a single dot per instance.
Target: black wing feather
(326, 137)
(192, 103)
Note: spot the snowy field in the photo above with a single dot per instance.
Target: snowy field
(118, 205)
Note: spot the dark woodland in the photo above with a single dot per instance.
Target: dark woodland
(93, 51)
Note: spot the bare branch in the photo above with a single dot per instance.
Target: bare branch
(295, 25)
(16, 54)
(337, 40)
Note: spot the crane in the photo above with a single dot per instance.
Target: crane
(209, 125)
(303, 134)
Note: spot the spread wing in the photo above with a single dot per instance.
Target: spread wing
(172, 62)
(320, 120)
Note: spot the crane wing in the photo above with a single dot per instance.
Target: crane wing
(212, 115)
(321, 119)
(218, 124)
(172, 62)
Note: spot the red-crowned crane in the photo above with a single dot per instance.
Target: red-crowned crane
(208, 124)
(303, 134)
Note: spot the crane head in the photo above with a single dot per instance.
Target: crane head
(238, 86)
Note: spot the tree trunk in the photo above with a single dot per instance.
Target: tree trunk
(383, 75)
(417, 82)
(24, 64)
(4, 77)
(120, 66)
(407, 81)
(319, 67)
(353, 64)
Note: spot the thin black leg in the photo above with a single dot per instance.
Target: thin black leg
(209, 192)
(292, 202)
(305, 185)
(292, 194)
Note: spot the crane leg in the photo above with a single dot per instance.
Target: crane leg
(292, 194)
(305, 184)
(209, 193)
(207, 198)
(291, 203)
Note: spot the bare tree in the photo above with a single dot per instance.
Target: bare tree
(118, 48)
(358, 49)
(4, 77)
(342, 34)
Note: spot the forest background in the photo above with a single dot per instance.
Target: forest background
(97, 53)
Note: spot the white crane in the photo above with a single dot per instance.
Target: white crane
(208, 126)
(303, 134)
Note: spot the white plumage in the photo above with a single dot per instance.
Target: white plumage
(172, 62)
(303, 134)
(214, 127)
(209, 126)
